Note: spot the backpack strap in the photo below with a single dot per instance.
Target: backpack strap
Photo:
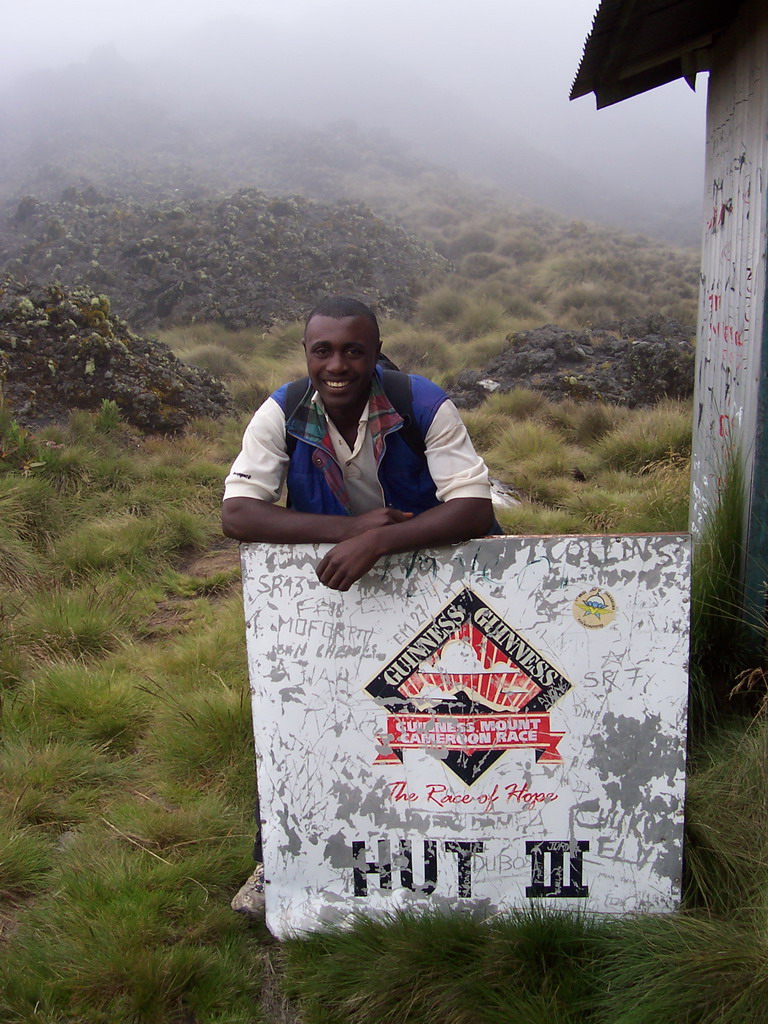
(294, 393)
(397, 388)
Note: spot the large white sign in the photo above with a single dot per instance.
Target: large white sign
(494, 725)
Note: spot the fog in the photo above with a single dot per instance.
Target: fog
(481, 88)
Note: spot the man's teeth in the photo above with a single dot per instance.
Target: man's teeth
(336, 383)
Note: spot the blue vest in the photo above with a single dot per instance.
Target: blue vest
(315, 481)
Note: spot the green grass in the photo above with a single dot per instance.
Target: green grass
(79, 623)
(131, 936)
(647, 436)
(126, 768)
(517, 969)
(26, 857)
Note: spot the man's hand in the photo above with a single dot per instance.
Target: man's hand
(347, 562)
(453, 521)
(374, 519)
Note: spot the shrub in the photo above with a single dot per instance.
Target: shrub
(473, 241)
(482, 264)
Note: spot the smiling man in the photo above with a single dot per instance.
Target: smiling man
(375, 462)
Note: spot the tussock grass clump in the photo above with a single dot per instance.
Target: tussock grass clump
(75, 623)
(648, 436)
(415, 349)
(532, 518)
(205, 739)
(26, 857)
(13, 663)
(722, 642)
(684, 969)
(528, 453)
(31, 508)
(480, 350)
(524, 439)
(68, 469)
(440, 307)
(584, 423)
(135, 542)
(18, 562)
(204, 825)
(479, 316)
(249, 391)
(592, 302)
(219, 362)
(53, 782)
(473, 240)
(517, 404)
(485, 427)
(99, 705)
(212, 335)
(206, 659)
(479, 265)
(617, 502)
(119, 540)
(104, 431)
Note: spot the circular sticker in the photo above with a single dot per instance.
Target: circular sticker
(594, 608)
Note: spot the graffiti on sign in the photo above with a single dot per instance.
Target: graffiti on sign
(503, 726)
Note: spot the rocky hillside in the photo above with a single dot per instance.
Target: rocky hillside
(62, 350)
(632, 362)
(244, 260)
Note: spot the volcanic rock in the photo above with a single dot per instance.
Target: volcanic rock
(244, 260)
(62, 350)
(633, 362)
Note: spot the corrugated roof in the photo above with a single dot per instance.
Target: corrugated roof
(637, 45)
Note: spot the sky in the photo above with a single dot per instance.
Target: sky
(514, 60)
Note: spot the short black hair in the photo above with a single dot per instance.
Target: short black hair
(339, 306)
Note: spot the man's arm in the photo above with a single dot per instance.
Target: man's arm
(449, 523)
(250, 519)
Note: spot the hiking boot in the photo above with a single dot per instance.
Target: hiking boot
(250, 898)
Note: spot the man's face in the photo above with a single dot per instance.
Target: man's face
(341, 357)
